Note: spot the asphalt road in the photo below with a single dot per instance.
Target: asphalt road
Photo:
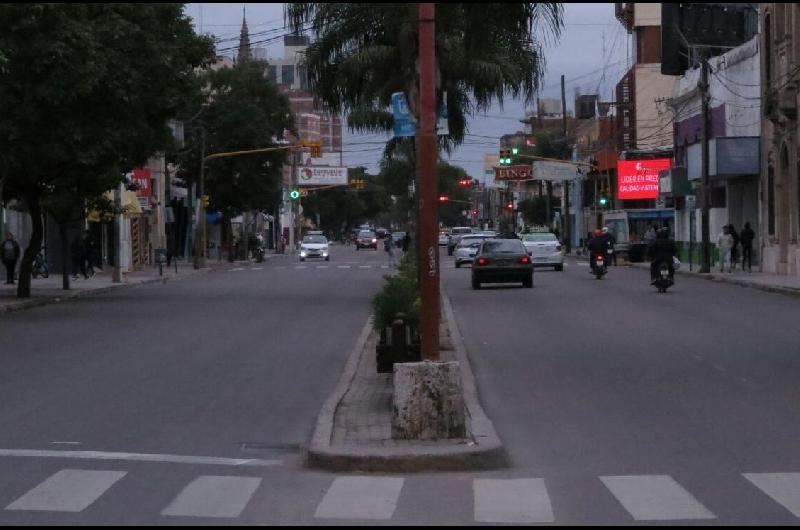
(189, 402)
(586, 379)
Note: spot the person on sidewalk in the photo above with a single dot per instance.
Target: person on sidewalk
(746, 239)
(725, 244)
(78, 252)
(388, 246)
(91, 253)
(10, 254)
(735, 248)
(406, 242)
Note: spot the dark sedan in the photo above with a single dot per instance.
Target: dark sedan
(502, 261)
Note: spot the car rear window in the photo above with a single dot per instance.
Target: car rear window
(366, 234)
(461, 231)
(539, 237)
(503, 246)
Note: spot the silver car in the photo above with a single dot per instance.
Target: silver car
(544, 250)
(468, 247)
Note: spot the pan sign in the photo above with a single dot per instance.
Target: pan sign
(638, 179)
(519, 172)
(318, 175)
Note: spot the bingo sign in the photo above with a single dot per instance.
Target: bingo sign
(638, 179)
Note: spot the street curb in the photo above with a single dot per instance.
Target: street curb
(731, 281)
(71, 295)
(487, 453)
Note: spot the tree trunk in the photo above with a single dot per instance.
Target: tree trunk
(62, 232)
(35, 244)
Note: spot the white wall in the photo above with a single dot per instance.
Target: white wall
(646, 14)
(653, 115)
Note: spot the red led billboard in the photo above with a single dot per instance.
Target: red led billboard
(638, 179)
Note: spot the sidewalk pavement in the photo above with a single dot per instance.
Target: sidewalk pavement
(49, 290)
(354, 432)
(775, 283)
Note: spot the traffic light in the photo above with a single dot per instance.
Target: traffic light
(515, 151)
(206, 201)
(505, 157)
(316, 149)
(465, 183)
(603, 201)
(510, 206)
(294, 194)
(443, 198)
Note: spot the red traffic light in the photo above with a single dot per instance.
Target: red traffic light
(465, 182)
(443, 198)
(510, 206)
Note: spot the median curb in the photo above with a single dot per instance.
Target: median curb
(484, 453)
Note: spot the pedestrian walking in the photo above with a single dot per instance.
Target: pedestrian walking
(735, 248)
(746, 238)
(10, 255)
(406, 242)
(90, 251)
(725, 244)
(78, 251)
(388, 246)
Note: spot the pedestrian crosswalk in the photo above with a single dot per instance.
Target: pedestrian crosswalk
(517, 500)
(309, 267)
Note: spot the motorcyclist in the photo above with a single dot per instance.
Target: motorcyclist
(662, 249)
(597, 245)
(610, 242)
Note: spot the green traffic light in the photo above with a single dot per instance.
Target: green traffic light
(294, 195)
(515, 150)
(603, 201)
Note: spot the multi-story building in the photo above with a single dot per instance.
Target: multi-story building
(780, 165)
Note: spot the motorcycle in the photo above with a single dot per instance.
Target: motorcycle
(663, 279)
(599, 266)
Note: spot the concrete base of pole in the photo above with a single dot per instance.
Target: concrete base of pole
(428, 402)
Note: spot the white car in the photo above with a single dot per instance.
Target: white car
(444, 238)
(544, 249)
(468, 247)
(314, 246)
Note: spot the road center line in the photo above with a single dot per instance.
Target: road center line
(139, 457)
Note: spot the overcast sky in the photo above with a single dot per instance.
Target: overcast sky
(592, 53)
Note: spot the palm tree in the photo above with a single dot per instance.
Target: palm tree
(363, 53)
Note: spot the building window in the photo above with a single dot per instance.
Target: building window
(771, 200)
(272, 73)
(287, 74)
(767, 51)
(302, 73)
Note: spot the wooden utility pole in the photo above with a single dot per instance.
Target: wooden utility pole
(428, 204)
(566, 224)
(705, 267)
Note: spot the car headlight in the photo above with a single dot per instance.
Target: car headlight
(302, 253)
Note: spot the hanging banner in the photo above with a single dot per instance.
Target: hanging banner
(554, 171)
(404, 124)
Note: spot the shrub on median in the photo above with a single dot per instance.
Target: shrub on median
(400, 294)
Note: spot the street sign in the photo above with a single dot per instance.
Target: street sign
(320, 175)
(404, 124)
(518, 172)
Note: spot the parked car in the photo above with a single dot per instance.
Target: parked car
(314, 246)
(502, 261)
(444, 238)
(467, 248)
(397, 238)
(455, 236)
(367, 239)
(544, 249)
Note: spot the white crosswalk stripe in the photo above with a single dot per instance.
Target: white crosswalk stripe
(360, 498)
(784, 488)
(212, 496)
(517, 501)
(69, 490)
(655, 498)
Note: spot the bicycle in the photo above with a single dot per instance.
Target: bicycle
(40, 267)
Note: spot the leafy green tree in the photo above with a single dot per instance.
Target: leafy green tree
(365, 52)
(86, 92)
(534, 211)
(240, 110)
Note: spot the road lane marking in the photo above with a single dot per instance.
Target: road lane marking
(256, 268)
(655, 498)
(300, 267)
(365, 266)
(343, 266)
(211, 496)
(237, 269)
(140, 457)
(783, 488)
(360, 498)
(69, 490)
(517, 501)
(384, 266)
(322, 266)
